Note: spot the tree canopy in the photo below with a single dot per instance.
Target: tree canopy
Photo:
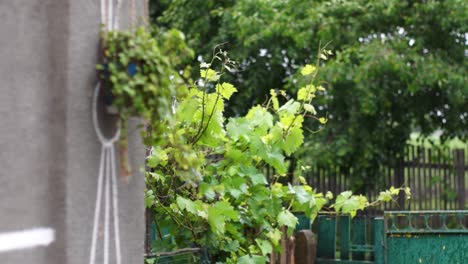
(397, 66)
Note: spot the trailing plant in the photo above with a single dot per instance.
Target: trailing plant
(207, 183)
(139, 77)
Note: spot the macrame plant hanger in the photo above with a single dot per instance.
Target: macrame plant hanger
(107, 178)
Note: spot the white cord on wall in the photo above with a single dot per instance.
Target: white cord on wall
(107, 176)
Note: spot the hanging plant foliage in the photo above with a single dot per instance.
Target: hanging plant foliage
(139, 79)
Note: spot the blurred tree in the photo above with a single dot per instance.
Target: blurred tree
(399, 66)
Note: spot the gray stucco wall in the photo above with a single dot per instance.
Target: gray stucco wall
(49, 152)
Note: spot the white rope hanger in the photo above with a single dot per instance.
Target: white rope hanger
(106, 178)
(107, 166)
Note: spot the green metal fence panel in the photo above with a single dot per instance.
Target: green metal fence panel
(359, 246)
(427, 237)
(326, 245)
(355, 245)
(303, 222)
(340, 261)
(177, 256)
(378, 239)
(345, 237)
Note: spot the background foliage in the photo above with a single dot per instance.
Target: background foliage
(399, 67)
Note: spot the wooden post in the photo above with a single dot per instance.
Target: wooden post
(305, 247)
(147, 231)
(459, 165)
(399, 181)
(283, 258)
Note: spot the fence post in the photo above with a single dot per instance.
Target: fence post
(459, 160)
(399, 181)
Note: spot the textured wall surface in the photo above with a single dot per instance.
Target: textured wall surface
(49, 152)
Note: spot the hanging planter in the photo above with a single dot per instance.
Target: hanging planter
(108, 96)
(135, 81)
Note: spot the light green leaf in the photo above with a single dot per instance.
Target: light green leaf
(274, 236)
(291, 107)
(276, 160)
(286, 218)
(310, 108)
(258, 178)
(274, 99)
(207, 191)
(254, 259)
(158, 157)
(238, 128)
(186, 204)
(216, 221)
(301, 195)
(149, 198)
(205, 65)
(308, 69)
(385, 196)
(226, 209)
(209, 75)
(408, 192)
(226, 89)
(231, 246)
(306, 93)
(265, 246)
(293, 140)
(260, 117)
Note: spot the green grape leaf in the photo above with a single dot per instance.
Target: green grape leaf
(265, 246)
(286, 218)
(226, 209)
(310, 108)
(291, 107)
(149, 198)
(216, 221)
(306, 93)
(226, 89)
(274, 236)
(238, 128)
(259, 117)
(301, 194)
(186, 204)
(254, 259)
(209, 75)
(231, 246)
(158, 157)
(349, 204)
(308, 69)
(217, 215)
(258, 178)
(293, 140)
(385, 196)
(276, 160)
